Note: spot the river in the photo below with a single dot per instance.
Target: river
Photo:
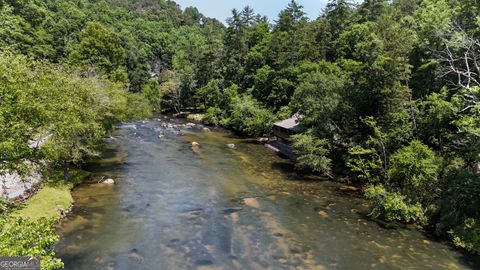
(213, 207)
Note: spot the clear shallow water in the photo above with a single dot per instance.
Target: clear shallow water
(178, 207)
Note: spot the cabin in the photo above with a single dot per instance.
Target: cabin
(286, 128)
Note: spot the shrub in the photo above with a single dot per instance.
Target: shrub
(6, 205)
(248, 116)
(415, 170)
(213, 115)
(393, 206)
(365, 164)
(21, 237)
(312, 153)
(467, 235)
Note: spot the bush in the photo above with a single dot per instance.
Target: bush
(467, 236)
(21, 237)
(459, 206)
(312, 153)
(213, 115)
(365, 164)
(415, 169)
(247, 116)
(393, 206)
(6, 205)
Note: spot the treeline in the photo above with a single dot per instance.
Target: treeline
(54, 117)
(388, 90)
(51, 119)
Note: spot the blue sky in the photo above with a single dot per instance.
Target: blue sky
(221, 9)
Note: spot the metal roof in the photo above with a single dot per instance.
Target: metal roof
(292, 123)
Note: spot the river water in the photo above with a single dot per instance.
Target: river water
(213, 207)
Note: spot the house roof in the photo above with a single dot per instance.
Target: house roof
(292, 123)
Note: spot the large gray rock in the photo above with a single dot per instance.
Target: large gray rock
(13, 185)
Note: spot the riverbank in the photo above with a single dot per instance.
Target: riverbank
(52, 201)
(175, 207)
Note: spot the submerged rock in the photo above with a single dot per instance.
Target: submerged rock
(195, 144)
(252, 202)
(109, 181)
(323, 213)
(135, 256)
(231, 210)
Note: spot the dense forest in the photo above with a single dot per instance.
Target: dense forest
(388, 92)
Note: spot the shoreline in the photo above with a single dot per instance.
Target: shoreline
(62, 213)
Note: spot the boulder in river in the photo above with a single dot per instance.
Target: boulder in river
(231, 146)
(108, 181)
(263, 140)
(195, 144)
(323, 213)
(252, 202)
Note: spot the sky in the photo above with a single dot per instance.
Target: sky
(221, 9)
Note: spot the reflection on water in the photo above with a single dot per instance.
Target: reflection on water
(212, 207)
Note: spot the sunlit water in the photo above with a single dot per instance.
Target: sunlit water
(212, 207)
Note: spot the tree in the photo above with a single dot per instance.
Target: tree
(415, 169)
(99, 48)
(393, 206)
(312, 153)
(370, 10)
(171, 89)
(319, 99)
(288, 35)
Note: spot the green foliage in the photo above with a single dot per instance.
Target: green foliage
(393, 206)
(67, 114)
(213, 116)
(211, 94)
(415, 170)
(458, 212)
(319, 97)
(379, 100)
(21, 237)
(365, 164)
(247, 116)
(468, 235)
(99, 48)
(6, 205)
(312, 153)
(151, 91)
(436, 114)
